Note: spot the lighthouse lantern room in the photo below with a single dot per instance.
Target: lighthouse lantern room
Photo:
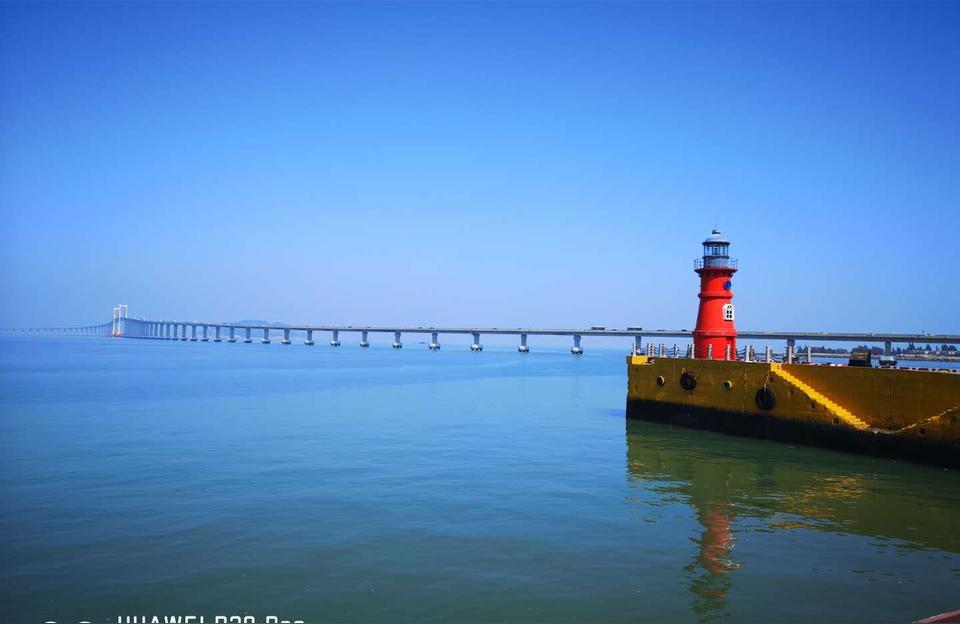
(715, 335)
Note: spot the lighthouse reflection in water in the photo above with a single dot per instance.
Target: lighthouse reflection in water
(756, 503)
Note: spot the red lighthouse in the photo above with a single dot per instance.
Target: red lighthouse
(715, 336)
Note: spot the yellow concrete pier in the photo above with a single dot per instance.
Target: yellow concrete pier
(911, 414)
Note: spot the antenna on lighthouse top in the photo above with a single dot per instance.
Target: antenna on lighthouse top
(716, 236)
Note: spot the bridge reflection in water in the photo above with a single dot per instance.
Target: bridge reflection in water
(734, 487)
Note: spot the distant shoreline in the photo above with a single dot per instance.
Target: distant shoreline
(910, 357)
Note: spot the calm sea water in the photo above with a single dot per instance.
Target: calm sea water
(321, 484)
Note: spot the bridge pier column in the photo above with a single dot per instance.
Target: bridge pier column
(335, 341)
(183, 332)
(309, 340)
(266, 336)
(576, 349)
(233, 335)
(247, 339)
(523, 348)
(193, 333)
(396, 340)
(286, 337)
(364, 343)
(476, 346)
(204, 337)
(434, 344)
(216, 334)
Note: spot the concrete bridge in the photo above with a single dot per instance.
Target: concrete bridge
(104, 329)
(205, 331)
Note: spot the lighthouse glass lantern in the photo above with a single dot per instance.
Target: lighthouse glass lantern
(715, 335)
(716, 251)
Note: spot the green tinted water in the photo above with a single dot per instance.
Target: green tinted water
(322, 484)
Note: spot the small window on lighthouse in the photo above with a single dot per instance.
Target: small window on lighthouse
(728, 312)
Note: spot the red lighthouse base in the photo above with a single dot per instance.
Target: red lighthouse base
(713, 345)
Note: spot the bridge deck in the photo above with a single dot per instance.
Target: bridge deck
(540, 331)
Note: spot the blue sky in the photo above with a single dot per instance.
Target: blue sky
(493, 164)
